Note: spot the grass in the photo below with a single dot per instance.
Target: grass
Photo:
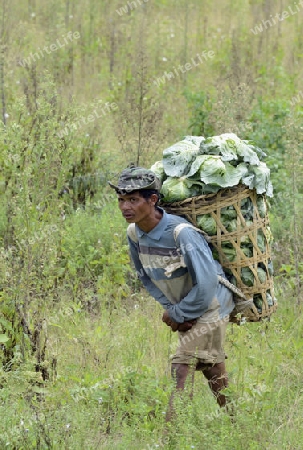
(107, 351)
(110, 385)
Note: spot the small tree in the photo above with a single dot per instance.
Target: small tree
(140, 112)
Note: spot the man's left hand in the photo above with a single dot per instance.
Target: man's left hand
(170, 322)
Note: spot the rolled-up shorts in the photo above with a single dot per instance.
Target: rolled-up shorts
(202, 346)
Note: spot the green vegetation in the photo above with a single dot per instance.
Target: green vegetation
(86, 88)
(196, 165)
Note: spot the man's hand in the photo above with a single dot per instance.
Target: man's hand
(185, 326)
(175, 326)
(170, 322)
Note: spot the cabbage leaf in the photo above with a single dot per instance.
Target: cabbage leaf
(228, 213)
(176, 189)
(194, 139)
(207, 223)
(247, 154)
(216, 162)
(158, 170)
(178, 158)
(215, 171)
(247, 276)
(224, 145)
(197, 164)
(258, 178)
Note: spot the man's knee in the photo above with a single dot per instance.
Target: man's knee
(179, 370)
(215, 370)
(217, 375)
(179, 373)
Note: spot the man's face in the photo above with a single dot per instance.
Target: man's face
(136, 209)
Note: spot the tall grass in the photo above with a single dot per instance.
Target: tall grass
(110, 384)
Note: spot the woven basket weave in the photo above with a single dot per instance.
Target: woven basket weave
(212, 204)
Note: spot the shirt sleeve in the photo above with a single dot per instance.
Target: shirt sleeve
(151, 288)
(201, 266)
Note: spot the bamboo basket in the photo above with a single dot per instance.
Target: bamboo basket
(212, 204)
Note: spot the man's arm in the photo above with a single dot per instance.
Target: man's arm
(200, 264)
(155, 292)
(148, 284)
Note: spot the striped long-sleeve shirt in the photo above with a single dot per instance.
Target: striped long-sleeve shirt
(180, 273)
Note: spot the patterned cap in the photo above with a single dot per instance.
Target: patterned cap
(134, 179)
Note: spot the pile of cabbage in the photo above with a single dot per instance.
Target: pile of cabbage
(198, 166)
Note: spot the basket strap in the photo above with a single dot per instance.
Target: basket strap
(131, 232)
(233, 288)
(180, 227)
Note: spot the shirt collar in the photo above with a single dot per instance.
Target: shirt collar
(157, 232)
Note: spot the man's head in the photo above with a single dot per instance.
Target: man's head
(138, 194)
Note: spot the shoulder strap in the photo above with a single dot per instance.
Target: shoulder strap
(131, 232)
(180, 227)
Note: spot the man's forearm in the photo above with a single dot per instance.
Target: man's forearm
(190, 307)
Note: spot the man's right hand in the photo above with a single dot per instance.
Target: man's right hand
(170, 322)
(175, 326)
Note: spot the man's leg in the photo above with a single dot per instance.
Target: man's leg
(217, 381)
(180, 373)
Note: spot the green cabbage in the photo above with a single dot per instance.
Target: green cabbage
(219, 162)
(247, 153)
(177, 189)
(230, 225)
(224, 145)
(245, 239)
(258, 301)
(215, 254)
(207, 223)
(258, 178)
(247, 250)
(207, 188)
(261, 242)
(229, 252)
(228, 212)
(214, 171)
(247, 276)
(247, 208)
(178, 158)
(261, 275)
(197, 164)
(232, 148)
(197, 140)
(158, 170)
(261, 205)
(256, 149)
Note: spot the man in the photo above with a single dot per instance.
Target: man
(175, 264)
